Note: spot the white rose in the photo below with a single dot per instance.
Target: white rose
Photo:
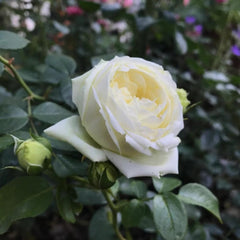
(130, 113)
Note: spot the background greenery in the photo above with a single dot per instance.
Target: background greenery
(198, 43)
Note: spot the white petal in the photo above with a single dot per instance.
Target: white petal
(114, 122)
(167, 163)
(140, 148)
(71, 131)
(168, 142)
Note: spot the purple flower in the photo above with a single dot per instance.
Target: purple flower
(190, 19)
(235, 50)
(236, 33)
(198, 29)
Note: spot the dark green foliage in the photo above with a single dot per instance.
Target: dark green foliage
(62, 46)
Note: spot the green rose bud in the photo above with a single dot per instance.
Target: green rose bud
(33, 156)
(182, 94)
(103, 175)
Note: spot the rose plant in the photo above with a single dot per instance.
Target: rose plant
(130, 112)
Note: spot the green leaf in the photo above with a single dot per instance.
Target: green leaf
(5, 96)
(89, 6)
(29, 75)
(66, 91)
(165, 184)
(61, 63)
(50, 75)
(100, 228)
(196, 232)
(10, 40)
(144, 23)
(12, 118)
(196, 194)
(23, 197)
(169, 216)
(64, 205)
(139, 189)
(50, 112)
(133, 212)
(5, 142)
(60, 145)
(89, 196)
(1, 68)
(67, 166)
(135, 188)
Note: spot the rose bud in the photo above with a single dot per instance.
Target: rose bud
(183, 98)
(33, 156)
(103, 175)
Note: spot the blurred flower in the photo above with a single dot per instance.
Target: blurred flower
(198, 29)
(190, 19)
(186, 2)
(29, 24)
(74, 10)
(236, 34)
(45, 9)
(127, 3)
(221, 1)
(15, 20)
(196, 32)
(103, 22)
(235, 50)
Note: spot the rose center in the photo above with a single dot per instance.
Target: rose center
(135, 84)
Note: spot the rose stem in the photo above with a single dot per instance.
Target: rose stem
(32, 95)
(114, 213)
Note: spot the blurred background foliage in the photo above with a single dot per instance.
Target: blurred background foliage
(198, 41)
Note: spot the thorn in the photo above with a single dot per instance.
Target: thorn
(10, 61)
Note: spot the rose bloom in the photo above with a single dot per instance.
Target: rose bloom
(74, 10)
(129, 113)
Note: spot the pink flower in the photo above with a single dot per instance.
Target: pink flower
(127, 3)
(74, 10)
(103, 22)
(186, 2)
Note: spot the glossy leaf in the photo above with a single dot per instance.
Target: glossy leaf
(196, 194)
(50, 112)
(67, 166)
(169, 216)
(89, 196)
(61, 63)
(23, 197)
(12, 118)
(133, 213)
(5, 141)
(64, 205)
(89, 6)
(100, 228)
(165, 184)
(1, 68)
(10, 40)
(133, 188)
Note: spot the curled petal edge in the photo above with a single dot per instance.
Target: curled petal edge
(71, 131)
(168, 163)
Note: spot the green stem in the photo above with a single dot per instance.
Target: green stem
(114, 214)
(128, 234)
(223, 42)
(80, 179)
(20, 80)
(30, 117)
